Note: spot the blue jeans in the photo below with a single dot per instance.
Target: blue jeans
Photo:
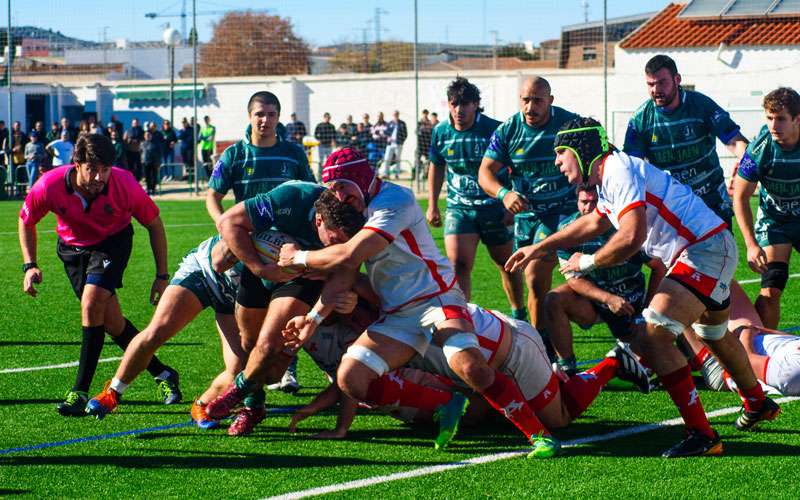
(33, 172)
(169, 157)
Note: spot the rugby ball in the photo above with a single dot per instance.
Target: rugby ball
(268, 244)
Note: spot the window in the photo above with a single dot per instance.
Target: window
(590, 53)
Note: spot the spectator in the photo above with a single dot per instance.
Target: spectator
(54, 134)
(38, 127)
(61, 150)
(117, 126)
(325, 133)
(133, 152)
(120, 158)
(83, 128)
(434, 120)
(362, 139)
(424, 130)
(296, 130)
(342, 136)
(208, 136)
(66, 125)
(378, 141)
(367, 124)
(34, 157)
(151, 160)
(4, 145)
(18, 142)
(168, 149)
(351, 127)
(396, 133)
(186, 136)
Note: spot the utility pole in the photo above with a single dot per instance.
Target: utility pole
(378, 52)
(585, 7)
(365, 47)
(494, 34)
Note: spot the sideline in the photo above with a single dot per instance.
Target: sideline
(484, 459)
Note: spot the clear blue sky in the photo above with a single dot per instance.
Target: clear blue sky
(325, 21)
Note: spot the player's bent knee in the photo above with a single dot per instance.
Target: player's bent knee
(459, 342)
(368, 358)
(776, 276)
(710, 332)
(657, 319)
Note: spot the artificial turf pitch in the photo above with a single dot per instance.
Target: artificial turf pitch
(181, 461)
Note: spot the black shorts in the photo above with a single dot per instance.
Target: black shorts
(253, 292)
(102, 264)
(620, 326)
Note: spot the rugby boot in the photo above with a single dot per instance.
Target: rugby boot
(695, 444)
(246, 421)
(222, 406)
(168, 388)
(201, 418)
(73, 405)
(448, 416)
(749, 420)
(104, 403)
(629, 367)
(544, 447)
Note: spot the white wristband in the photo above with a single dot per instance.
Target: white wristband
(586, 263)
(315, 317)
(300, 258)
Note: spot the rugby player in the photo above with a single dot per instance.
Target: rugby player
(195, 286)
(258, 163)
(772, 159)
(419, 297)
(539, 197)
(614, 295)
(457, 147)
(311, 215)
(93, 203)
(654, 212)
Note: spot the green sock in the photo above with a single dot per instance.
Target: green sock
(242, 383)
(520, 314)
(256, 399)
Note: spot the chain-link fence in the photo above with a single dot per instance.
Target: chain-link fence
(360, 64)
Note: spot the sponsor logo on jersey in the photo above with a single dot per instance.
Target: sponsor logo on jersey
(249, 170)
(520, 151)
(217, 172)
(106, 262)
(654, 138)
(450, 152)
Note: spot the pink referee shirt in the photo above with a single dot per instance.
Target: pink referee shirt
(82, 223)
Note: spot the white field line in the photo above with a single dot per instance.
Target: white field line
(758, 280)
(168, 226)
(434, 469)
(51, 367)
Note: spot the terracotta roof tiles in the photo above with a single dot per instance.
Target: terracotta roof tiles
(666, 30)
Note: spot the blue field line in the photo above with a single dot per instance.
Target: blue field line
(133, 432)
(595, 361)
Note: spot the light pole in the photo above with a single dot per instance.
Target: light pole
(172, 38)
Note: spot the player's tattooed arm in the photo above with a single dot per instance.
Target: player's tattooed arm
(222, 258)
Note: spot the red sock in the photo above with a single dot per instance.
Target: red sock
(505, 397)
(753, 398)
(681, 389)
(697, 360)
(392, 389)
(581, 389)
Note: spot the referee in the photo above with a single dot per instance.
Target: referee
(93, 203)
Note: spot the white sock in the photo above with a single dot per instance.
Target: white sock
(118, 386)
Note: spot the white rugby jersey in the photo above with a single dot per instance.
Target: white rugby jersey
(411, 268)
(328, 344)
(769, 344)
(676, 217)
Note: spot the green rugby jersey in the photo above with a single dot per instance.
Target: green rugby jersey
(625, 280)
(682, 142)
(528, 152)
(461, 152)
(222, 285)
(289, 208)
(778, 171)
(250, 170)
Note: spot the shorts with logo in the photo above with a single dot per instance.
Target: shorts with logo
(415, 325)
(706, 269)
(772, 232)
(527, 363)
(530, 228)
(783, 369)
(486, 222)
(102, 264)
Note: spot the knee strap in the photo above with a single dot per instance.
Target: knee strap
(367, 357)
(710, 332)
(459, 342)
(776, 275)
(657, 319)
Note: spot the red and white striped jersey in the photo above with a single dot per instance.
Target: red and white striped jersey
(411, 268)
(676, 217)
